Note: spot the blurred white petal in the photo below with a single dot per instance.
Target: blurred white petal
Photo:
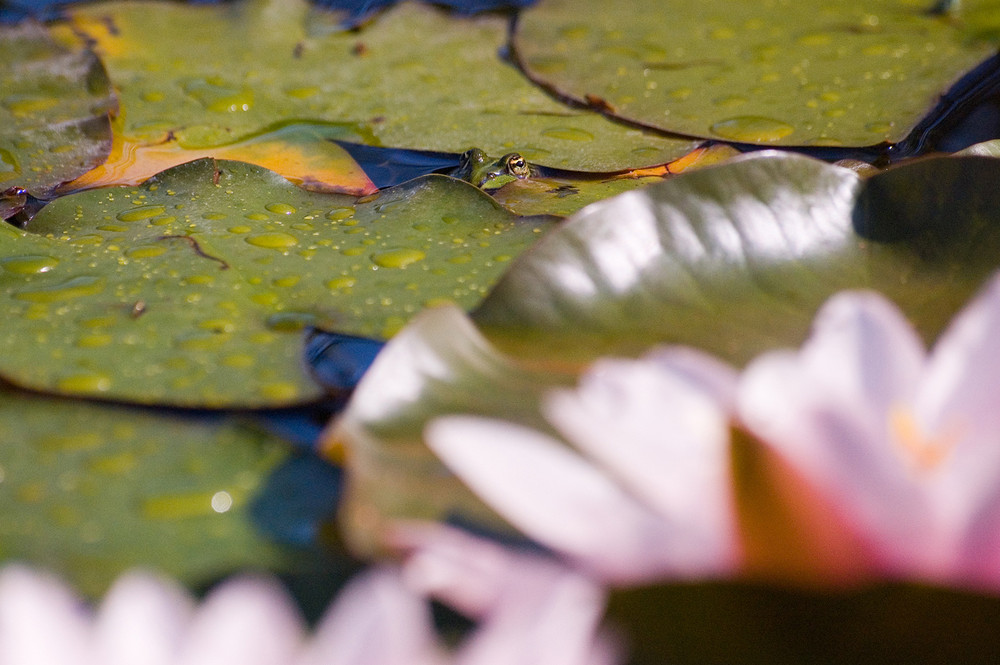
(557, 498)
(41, 621)
(143, 619)
(667, 440)
(244, 622)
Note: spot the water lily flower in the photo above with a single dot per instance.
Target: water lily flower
(904, 445)
(530, 609)
(647, 491)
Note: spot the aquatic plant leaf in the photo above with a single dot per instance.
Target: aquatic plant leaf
(194, 288)
(438, 364)
(803, 73)
(736, 258)
(417, 77)
(91, 490)
(54, 105)
(301, 152)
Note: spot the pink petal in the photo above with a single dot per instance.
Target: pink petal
(375, 620)
(41, 622)
(667, 440)
(558, 498)
(244, 622)
(827, 411)
(143, 619)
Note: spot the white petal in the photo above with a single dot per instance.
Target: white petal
(827, 410)
(557, 498)
(375, 620)
(244, 622)
(143, 619)
(666, 440)
(547, 615)
(959, 403)
(41, 622)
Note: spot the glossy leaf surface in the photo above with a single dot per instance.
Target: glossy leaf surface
(54, 106)
(802, 73)
(194, 288)
(415, 78)
(736, 259)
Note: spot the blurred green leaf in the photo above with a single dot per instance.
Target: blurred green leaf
(90, 491)
(54, 106)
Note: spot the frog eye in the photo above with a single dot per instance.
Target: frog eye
(517, 166)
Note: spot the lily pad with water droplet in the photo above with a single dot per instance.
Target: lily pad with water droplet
(194, 289)
(793, 73)
(90, 491)
(54, 105)
(302, 152)
(736, 258)
(417, 77)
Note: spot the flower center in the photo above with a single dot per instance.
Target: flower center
(925, 452)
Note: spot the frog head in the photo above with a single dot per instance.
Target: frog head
(475, 167)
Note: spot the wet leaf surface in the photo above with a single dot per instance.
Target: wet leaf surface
(54, 106)
(90, 491)
(398, 82)
(803, 73)
(194, 289)
(735, 259)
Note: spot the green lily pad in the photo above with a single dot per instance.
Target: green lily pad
(736, 258)
(193, 288)
(54, 106)
(91, 491)
(438, 364)
(416, 77)
(800, 73)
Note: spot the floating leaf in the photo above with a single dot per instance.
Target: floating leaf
(803, 73)
(54, 106)
(91, 491)
(302, 152)
(193, 289)
(415, 78)
(438, 364)
(736, 258)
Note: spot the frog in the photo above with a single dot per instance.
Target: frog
(476, 167)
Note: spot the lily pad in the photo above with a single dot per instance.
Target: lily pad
(737, 258)
(91, 491)
(415, 78)
(438, 364)
(303, 153)
(802, 73)
(193, 289)
(54, 106)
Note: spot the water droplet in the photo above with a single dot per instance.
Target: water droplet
(882, 127)
(239, 360)
(285, 282)
(218, 325)
(337, 214)
(729, 101)
(815, 39)
(94, 341)
(341, 283)
(221, 502)
(275, 240)
(140, 213)
(568, 134)
(290, 321)
(145, 251)
(722, 33)
(29, 264)
(77, 287)
(280, 208)
(202, 341)
(752, 129)
(214, 216)
(87, 382)
(178, 506)
(114, 465)
(302, 93)
(22, 105)
(398, 258)
(218, 97)
(255, 216)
